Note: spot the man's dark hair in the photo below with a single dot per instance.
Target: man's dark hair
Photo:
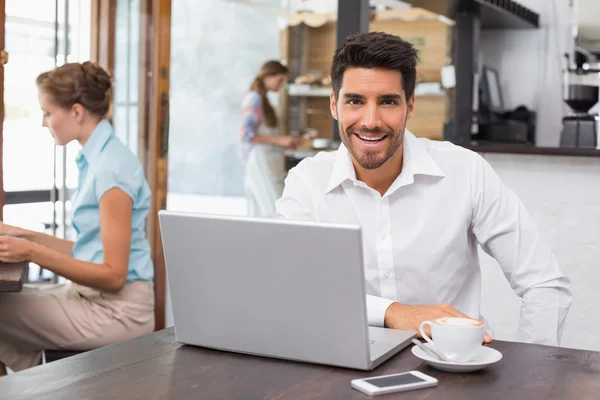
(376, 50)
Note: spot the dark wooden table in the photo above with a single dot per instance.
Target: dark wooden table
(156, 367)
(11, 277)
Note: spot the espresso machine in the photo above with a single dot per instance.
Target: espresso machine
(581, 91)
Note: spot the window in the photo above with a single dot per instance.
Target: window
(126, 74)
(38, 175)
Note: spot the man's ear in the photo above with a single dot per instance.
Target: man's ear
(333, 105)
(410, 107)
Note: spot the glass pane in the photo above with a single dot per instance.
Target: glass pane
(134, 50)
(80, 30)
(217, 48)
(79, 15)
(69, 232)
(121, 51)
(36, 10)
(133, 128)
(63, 46)
(120, 123)
(127, 66)
(59, 150)
(73, 149)
(29, 150)
(36, 217)
(28, 147)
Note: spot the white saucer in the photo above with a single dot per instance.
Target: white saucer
(485, 356)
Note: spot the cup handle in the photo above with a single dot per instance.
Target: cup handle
(422, 331)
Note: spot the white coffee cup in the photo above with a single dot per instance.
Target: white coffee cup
(456, 339)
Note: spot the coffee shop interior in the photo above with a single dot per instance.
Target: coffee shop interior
(517, 81)
(514, 67)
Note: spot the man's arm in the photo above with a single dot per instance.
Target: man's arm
(506, 231)
(296, 203)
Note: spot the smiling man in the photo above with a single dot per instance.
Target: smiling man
(424, 206)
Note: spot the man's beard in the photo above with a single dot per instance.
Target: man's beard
(371, 160)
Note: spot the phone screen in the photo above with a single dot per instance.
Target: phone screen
(401, 379)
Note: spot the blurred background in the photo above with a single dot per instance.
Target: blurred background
(516, 81)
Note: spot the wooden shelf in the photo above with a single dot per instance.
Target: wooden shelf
(494, 14)
(503, 14)
(421, 90)
(297, 90)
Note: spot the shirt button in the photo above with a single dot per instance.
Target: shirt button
(387, 275)
(383, 235)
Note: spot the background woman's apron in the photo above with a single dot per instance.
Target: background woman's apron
(265, 175)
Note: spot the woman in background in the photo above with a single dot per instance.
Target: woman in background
(262, 144)
(110, 296)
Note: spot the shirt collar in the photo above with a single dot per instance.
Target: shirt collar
(416, 161)
(96, 142)
(343, 169)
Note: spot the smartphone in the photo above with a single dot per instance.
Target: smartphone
(393, 383)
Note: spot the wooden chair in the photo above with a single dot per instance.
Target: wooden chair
(159, 313)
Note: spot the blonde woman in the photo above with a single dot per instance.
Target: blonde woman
(262, 143)
(110, 296)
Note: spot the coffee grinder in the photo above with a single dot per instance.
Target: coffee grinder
(581, 92)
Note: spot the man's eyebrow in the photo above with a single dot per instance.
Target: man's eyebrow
(353, 96)
(391, 96)
(387, 96)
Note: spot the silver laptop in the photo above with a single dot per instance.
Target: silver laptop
(274, 288)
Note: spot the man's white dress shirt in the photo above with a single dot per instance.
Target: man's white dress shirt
(420, 238)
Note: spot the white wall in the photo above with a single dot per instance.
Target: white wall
(561, 193)
(588, 13)
(530, 64)
(217, 48)
(563, 196)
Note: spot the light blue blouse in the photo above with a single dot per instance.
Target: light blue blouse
(105, 163)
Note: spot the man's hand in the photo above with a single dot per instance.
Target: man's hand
(399, 316)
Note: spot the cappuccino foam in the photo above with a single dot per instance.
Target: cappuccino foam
(459, 322)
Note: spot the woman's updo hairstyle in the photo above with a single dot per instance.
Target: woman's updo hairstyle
(85, 83)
